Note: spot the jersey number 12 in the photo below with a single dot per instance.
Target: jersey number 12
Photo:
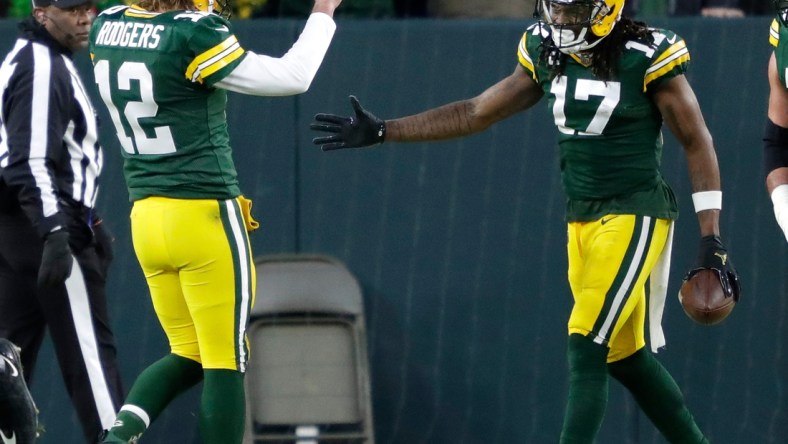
(133, 111)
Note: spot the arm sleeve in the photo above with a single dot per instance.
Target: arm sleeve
(262, 75)
(35, 132)
(780, 201)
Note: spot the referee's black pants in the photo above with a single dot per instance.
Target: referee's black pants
(76, 315)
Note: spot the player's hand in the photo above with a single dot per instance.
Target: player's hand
(326, 6)
(56, 260)
(362, 129)
(103, 239)
(712, 255)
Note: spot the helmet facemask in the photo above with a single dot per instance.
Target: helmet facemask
(578, 25)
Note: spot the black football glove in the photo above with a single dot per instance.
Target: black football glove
(56, 260)
(363, 129)
(712, 255)
(103, 239)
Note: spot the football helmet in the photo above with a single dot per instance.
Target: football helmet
(578, 25)
(218, 7)
(18, 412)
(782, 10)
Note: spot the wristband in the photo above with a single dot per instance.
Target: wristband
(707, 200)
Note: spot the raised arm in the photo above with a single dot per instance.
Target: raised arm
(262, 75)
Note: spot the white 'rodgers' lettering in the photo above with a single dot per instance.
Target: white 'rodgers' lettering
(129, 35)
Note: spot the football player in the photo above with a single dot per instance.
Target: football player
(163, 68)
(18, 413)
(776, 133)
(609, 82)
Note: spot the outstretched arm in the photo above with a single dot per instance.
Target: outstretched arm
(515, 93)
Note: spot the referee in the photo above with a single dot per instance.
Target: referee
(54, 251)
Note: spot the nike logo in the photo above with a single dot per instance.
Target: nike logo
(723, 257)
(8, 439)
(604, 221)
(672, 40)
(222, 29)
(14, 371)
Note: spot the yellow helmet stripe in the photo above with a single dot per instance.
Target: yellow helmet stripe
(672, 57)
(774, 33)
(214, 59)
(525, 58)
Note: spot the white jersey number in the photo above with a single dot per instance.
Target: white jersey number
(162, 142)
(584, 90)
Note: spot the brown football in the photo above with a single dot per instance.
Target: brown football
(704, 300)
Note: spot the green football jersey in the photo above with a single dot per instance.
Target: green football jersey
(610, 132)
(778, 37)
(155, 72)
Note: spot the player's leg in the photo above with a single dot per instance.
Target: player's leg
(219, 289)
(632, 364)
(197, 261)
(658, 395)
(605, 263)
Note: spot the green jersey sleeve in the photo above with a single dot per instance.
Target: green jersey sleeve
(528, 50)
(215, 49)
(778, 39)
(669, 59)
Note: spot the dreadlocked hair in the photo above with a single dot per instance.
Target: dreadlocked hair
(605, 55)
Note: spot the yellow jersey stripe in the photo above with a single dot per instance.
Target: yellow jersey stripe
(525, 58)
(678, 46)
(224, 61)
(665, 66)
(202, 62)
(136, 11)
(774, 33)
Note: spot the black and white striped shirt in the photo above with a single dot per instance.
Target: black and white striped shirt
(49, 152)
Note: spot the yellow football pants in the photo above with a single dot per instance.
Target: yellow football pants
(197, 261)
(609, 262)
